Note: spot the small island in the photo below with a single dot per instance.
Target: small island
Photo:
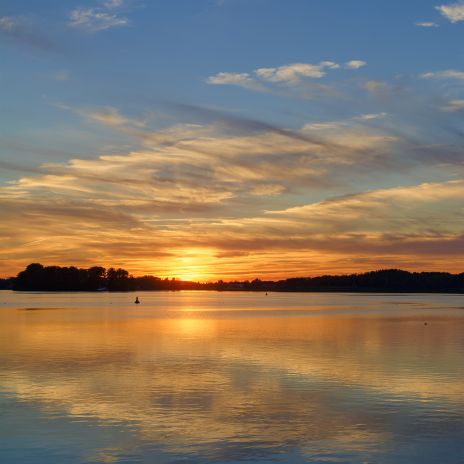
(37, 277)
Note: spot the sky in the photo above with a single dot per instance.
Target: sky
(232, 139)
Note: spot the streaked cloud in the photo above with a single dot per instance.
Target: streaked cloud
(99, 18)
(453, 11)
(426, 24)
(7, 23)
(111, 117)
(240, 79)
(447, 74)
(370, 116)
(111, 4)
(267, 190)
(226, 190)
(392, 210)
(108, 116)
(25, 32)
(454, 105)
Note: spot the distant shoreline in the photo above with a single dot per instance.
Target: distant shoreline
(356, 291)
(37, 277)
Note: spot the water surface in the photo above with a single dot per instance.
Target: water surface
(233, 377)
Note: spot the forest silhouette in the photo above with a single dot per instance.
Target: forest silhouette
(37, 277)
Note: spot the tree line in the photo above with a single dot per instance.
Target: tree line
(37, 277)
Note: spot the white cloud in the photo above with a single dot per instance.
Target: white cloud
(454, 105)
(240, 79)
(370, 116)
(7, 23)
(111, 4)
(426, 24)
(448, 74)
(355, 64)
(454, 11)
(94, 20)
(292, 73)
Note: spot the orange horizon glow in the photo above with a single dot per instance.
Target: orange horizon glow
(204, 274)
(89, 212)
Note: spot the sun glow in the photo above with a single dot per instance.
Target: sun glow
(192, 265)
(189, 277)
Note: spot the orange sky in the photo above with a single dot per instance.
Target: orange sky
(231, 208)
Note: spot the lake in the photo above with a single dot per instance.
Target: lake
(233, 377)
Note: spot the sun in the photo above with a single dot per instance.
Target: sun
(189, 277)
(192, 265)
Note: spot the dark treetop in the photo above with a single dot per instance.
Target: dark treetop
(55, 278)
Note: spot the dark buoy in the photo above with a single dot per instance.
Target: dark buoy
(425, 323)
(137, 300)
(266, 293)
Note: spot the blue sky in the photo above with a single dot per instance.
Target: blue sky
(331, 99)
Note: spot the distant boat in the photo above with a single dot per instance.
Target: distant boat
(137, 300)
(102, 289)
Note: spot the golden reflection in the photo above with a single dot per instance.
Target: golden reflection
(194, 327)
(204, 378)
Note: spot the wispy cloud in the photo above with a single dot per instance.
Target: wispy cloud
(239, 79)
(447, 74)
(402, 224)
(108, 116)
(24, 32)
(392, 210)
(8, 24)
(112, 117)
(454, 105)
(92, 20)
(99, 18)
(111, 4)
(453, 11)
(370, 116)
(426, 24)
(239, 191)
(267, 190)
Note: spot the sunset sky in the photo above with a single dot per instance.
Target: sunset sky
(208, 139)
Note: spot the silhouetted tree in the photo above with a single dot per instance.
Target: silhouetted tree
(96, 277)
(56, 278)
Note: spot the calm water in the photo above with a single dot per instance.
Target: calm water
(204, 377)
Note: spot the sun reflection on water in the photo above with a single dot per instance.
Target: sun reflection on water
(219, 386)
